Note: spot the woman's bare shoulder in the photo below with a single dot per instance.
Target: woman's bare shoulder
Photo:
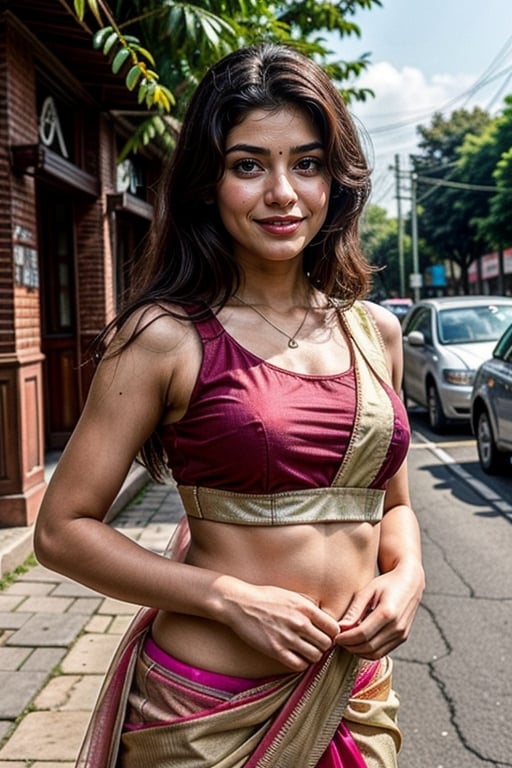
(387, 323)
(153, 328)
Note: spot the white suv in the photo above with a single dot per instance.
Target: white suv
(444, 342)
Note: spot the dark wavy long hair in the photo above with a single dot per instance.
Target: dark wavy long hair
(189, 258)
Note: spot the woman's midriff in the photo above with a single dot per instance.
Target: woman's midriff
(326, 562)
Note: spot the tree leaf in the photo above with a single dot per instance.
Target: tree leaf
(144, 52)
(141, 93)
(93, 5)
(111, 40)
(100, 36)
(133, 77)
(79, 6)
(119, 59)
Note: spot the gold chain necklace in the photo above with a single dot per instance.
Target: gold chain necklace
(292, 343)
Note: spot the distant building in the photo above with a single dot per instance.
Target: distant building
(491, 274)
(71, 221)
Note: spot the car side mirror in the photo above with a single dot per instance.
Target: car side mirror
(415, 339)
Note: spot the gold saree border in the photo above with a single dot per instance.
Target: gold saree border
(310, 505)
(374, 411)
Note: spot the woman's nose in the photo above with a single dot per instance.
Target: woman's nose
(280, 191)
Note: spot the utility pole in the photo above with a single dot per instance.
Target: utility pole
(400, 219)
(416, 280)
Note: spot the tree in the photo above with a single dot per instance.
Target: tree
(181, 40)
(448, 204)
(494, 153)
(379, 238)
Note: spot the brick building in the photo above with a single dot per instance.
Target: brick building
(71, 219)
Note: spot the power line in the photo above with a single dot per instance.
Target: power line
(461, 185)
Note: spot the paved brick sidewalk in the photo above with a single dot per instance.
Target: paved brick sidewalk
(56, 640)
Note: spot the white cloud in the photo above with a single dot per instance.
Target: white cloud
(404, 98)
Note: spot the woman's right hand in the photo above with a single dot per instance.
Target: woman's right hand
(284, 625)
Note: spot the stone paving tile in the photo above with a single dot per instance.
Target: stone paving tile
(114, 607)
(40, 573)
(73, 589)
(28, 588)
(47, 604)
(86, 605)
(44, 659)
(10, 764)
(90, 654)
(5, 726)
(49, 629)
(119, 624)
(98, 624)
(9, 602)
(13, 620)
(85, 693)
(70, 692)
(46, 764)
(18, 689)
(46, 736)
(12, 658)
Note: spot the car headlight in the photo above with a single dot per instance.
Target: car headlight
(460, 378)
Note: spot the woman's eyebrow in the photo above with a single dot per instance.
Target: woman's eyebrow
(254, 150)
(250, 148)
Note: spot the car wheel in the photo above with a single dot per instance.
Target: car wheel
(492, 460)
(436, 417)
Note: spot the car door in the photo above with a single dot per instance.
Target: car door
(502, 393)
(416, 358)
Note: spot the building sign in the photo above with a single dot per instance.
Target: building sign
(26, 267)
(129, 178)
(435, 276)
(490, 266)
(507, 261)
(50, 130)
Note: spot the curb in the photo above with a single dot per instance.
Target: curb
(15, 548)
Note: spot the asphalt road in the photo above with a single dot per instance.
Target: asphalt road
(454, 674)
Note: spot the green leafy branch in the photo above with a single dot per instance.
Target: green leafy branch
(127, 56)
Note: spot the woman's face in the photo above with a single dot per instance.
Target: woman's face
(274, 194)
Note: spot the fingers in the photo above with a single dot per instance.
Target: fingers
(306, 638)
(375, 636)
(301, 652)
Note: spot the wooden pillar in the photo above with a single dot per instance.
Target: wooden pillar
(22, 483)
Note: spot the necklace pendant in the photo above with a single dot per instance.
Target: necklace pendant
(292, 344)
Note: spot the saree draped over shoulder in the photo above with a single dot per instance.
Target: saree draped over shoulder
(340, 713)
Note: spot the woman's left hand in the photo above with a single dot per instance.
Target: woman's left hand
(380, 616)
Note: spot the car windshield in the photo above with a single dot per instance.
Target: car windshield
(466, 325)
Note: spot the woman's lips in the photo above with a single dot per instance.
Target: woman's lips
(280, 226)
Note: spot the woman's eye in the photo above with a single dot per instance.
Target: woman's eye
(309, 164)
(246, 166)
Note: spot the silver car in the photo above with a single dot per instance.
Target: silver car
(491, 408)
(444, 341)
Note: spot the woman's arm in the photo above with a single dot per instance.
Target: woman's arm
(129, 394)
(380, 616)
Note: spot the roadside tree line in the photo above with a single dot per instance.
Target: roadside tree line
(463, 176)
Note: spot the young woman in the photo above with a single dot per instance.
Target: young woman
(250, 364)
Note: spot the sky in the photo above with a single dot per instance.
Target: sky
(427, 56)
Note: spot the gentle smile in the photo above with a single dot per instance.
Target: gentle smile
(279, 221)
(280, 226)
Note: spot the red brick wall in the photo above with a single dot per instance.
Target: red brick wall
(22, 314)
(7, 341)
